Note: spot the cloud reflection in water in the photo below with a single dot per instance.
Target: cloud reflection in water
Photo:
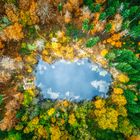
(78, 80)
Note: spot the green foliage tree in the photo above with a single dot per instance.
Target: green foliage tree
(103, 16)
(108, 27)
(92, 41)
(1, 99)
(86, 26)
(135, 31)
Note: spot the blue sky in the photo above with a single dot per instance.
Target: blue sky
(78, 80)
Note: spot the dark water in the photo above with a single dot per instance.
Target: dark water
(78, 80)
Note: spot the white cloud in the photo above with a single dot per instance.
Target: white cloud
(95, 68)
(53, 66)
(67, 93)
(101, 85)
(53, 95)
(70, 95)
(80, 63)
(103, 73)
(41, 68)
(76, 97)
(40, 85)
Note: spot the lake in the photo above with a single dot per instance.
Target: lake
(75, 81)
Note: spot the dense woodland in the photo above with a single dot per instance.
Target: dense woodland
(105, 31)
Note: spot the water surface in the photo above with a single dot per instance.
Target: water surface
(78, 80)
